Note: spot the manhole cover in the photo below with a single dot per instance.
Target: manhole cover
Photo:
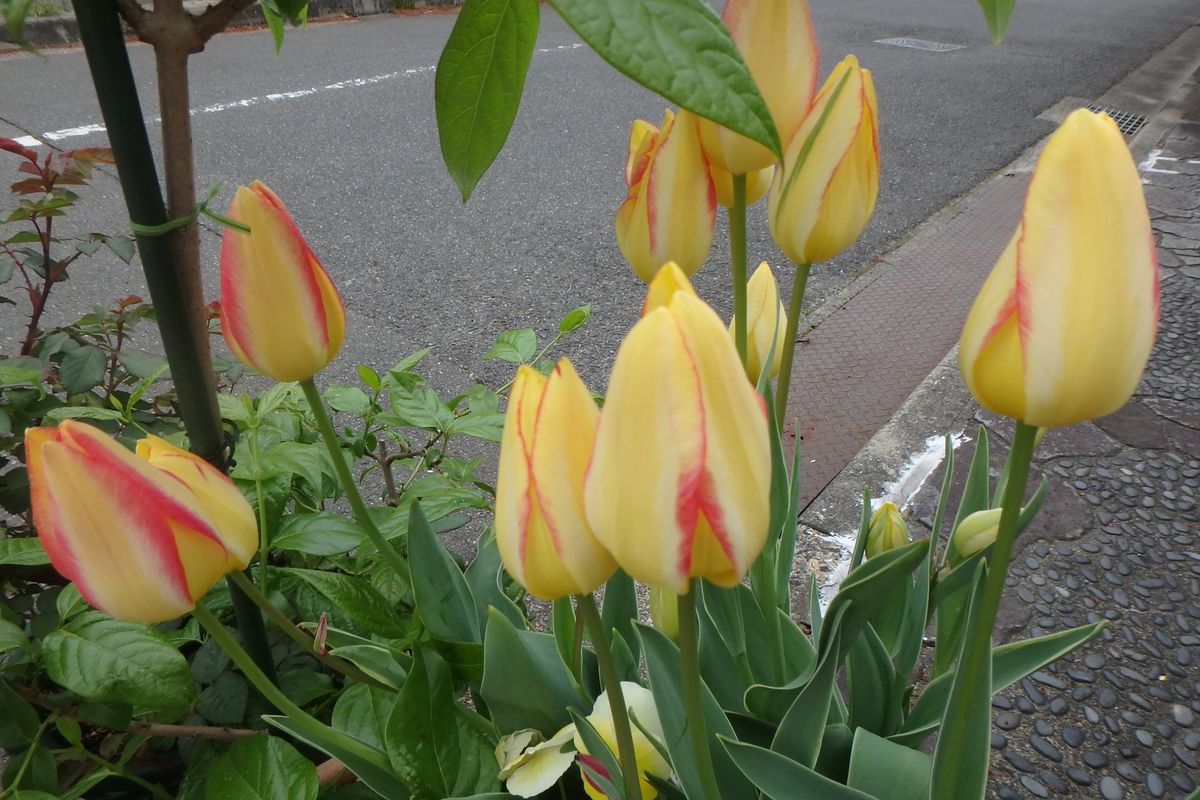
(920, 44)
(1128, 123)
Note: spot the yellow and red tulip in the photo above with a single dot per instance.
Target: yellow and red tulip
(280, 312)
(541, 530)
(766, 323)
(142, 536)
(1064, 325)
(823, 196)
(757, 184)
(670, 210)
(639, 702)
(777, 42)
(678, 485)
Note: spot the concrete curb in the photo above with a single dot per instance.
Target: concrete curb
(61, 29)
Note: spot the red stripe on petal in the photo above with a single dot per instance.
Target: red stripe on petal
(715, 516)
(687, 496)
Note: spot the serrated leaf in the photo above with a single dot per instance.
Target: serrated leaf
(515, 347)
(82, 369)
(262, 768)
(349, 399)
(122, 247)
(361, 601)
(224, 702)
(320, 533)
(480, 76)
(101, 658)
(681, 50)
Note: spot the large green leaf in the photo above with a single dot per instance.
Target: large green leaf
(780, 778)
(664, 666)
(368, 763)
(431, 745)
(886, 769)
(485, 576)
(25, 552)
(871, 680)
(320, 533)
(82, 369)
(681, 50)
(525, 682)
(261, 768)
(362, 602)
(620, 609)
(801, 730)
(443, 597)
(101, 658)
(997, 13)
(362, 711)
(478, 85)
(868, 587)
(19, 723)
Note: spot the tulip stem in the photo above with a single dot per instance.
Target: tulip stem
(973, 674)
(585, 606)
(264, 545)
(325, 425)
(303, 720)
(306, 642)
(799, 283)
(737, 257)
(693, 704)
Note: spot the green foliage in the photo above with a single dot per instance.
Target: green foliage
(262, 768)
(997, 12)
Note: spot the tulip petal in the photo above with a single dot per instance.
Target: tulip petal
(663, 286)
(514, 487)
(542, 765)
(1087, 275)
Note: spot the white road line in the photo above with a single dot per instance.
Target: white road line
(276, 97)
(1155, 156)
(28, 141)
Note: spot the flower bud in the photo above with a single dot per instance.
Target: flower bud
(767, 323)
(886, 531)
(976, 532)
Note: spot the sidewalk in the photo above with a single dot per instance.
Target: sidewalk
(1119, 536)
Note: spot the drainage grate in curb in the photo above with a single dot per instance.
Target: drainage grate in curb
(1128, 123)
(920, 44)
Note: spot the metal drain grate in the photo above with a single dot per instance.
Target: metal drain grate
(920, 44)
(1128, 123)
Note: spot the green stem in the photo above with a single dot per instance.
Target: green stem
(737, 257)
(303, 720)
(15, 784)
(952, 767)
(689, 650)
(394, 559)
(585, 605)
(306, 642)
(799, 282)
(264, 546)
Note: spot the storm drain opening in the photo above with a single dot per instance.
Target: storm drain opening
(920, 44)
(1129, 124)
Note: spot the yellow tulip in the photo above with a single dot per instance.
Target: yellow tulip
(757, 184)
(1063, 326)
(777, 42)
(767, 321)
(823, 196)
(530, 769)
(543, 535)
(886, 530)
(678, 485)
(142, 536)
(280, 312)
(640, 703)
(671, 207)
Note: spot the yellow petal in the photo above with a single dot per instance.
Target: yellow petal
(542, 765)
(989, 351)
(514, 485)
(767, 323)
(663, 286)
(757, 184)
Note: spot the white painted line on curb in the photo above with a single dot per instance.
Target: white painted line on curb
(1152, 159)
(28, 141)
(900, 492)
(276, 97)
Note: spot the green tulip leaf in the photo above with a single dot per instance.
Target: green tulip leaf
(478, 85)
(886, 769)
(261, 768)
(485, 578)
(780, 778)
(997, 13)
(680, 50)
(871, 679)
(443, 597)
(525, 682)
(802, 728)
(620, 609)
(103, 659)
(362, 712)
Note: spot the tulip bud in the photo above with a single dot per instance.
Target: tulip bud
(757, 183)
(767, 323)
(679, 481)
(664, 612)
(976, 532)
(543, 535)
(640, 704)
(1064, 324)
(142, 536)
(777, 42)
(670, 211)
(824, 194)
(280, 312)
(886, 531)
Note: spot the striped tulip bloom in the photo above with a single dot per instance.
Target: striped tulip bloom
(671, 209)
(778, 44)
(823, 196)
(1064, 325)
(678, 485)
(280, 312)
(543, 535)
(757, 184)
(142, 536)
(766, 323)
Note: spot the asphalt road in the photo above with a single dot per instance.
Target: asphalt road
(341, 126)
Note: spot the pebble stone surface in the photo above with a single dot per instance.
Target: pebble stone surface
(1118, 718)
